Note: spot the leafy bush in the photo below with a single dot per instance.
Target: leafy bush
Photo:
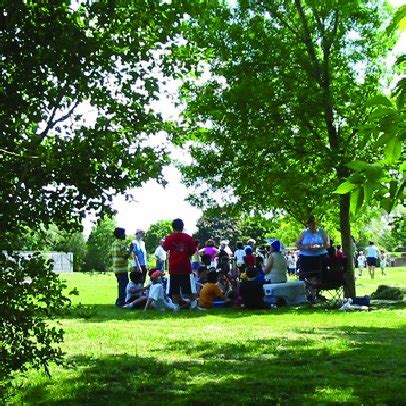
(31, 295)
(85, 312)
(385, 292)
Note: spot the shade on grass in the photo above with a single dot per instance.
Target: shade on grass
(289, 355)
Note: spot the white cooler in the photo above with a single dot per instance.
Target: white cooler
(292, 292)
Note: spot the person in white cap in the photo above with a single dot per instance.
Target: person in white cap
(139, 253)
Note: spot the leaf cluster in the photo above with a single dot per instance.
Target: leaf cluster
(30, 296)
(279, 117)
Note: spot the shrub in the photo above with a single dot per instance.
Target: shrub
(31, 295)
(387, 293)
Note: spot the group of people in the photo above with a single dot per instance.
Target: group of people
(200, 278)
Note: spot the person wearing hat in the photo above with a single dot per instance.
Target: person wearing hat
(139, 253)
(181, 247)
(276, 268)
(119, 255)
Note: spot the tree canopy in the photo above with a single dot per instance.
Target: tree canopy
(278, 118)
(156, 232)
(77, 126)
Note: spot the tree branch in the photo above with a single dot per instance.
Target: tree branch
(52, 122)
(18, 155)
(327, 44)
(309, 44)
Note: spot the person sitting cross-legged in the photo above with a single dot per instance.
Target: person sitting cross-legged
(211, 292)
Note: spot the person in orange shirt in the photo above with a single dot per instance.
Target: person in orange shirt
(210, 292)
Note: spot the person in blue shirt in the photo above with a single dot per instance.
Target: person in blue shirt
(313, 244)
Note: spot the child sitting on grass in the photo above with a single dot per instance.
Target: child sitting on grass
(251, 291)
(211, 292)
(135, 297)
(156, 293)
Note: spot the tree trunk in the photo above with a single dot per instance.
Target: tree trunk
(346, 243)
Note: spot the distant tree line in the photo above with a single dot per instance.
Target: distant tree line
(91, 254)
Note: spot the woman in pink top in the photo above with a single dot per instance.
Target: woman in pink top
(211, 251)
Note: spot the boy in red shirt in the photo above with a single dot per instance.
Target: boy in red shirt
(181, 247)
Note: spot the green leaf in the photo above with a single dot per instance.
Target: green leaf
(378, 100)
(345, 187)
(393, 150)
(387, 204)
(398, 20)
(356, 178)
(368, 192)
(356, 200)
(373, 172)
(382, 112)
(393, 189)
(357, 165)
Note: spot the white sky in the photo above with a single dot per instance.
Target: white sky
(154, 202)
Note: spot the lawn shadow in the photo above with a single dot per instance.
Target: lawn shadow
(99, 313)
(368, 370)
(107, 312)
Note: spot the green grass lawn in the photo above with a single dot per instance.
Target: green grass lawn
(297, 355)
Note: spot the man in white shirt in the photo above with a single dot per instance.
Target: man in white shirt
(160, 256)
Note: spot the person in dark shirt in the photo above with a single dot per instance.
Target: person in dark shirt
(252, 292)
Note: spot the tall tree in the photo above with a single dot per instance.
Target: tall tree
(76, 127)
(156, 232)
(98, 245)
(278, 119)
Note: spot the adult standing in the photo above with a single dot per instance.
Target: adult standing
(181, 247)
(251, 244)
(119, 255)
(224, 246)
(139, 253)
(210, 251)
(371, 253)
(312, 243)
(160, 256)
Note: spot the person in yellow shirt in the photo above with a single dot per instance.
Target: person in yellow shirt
(119, 254)
(210, 292)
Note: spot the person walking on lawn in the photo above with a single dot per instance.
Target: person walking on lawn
(372, 254)
(181, 247)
